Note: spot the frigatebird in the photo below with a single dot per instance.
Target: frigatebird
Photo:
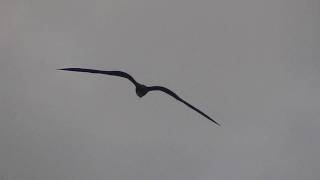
(141, 89)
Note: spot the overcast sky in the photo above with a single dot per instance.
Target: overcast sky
(253, 65)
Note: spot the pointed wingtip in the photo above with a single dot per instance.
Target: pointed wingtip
(217, 123)
(67, 69)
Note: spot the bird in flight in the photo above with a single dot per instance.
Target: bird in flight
(141, 89)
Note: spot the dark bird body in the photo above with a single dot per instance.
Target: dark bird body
(141, 89)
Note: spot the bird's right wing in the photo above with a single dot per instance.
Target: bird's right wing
(112, 73)
(169, 92)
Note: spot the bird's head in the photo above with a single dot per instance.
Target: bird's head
(141, 90)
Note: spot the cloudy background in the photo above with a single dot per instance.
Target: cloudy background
(253, 65)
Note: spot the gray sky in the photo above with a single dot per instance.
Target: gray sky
(252, 65)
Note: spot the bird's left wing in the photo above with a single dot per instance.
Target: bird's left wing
(112, 73)
(169, 92)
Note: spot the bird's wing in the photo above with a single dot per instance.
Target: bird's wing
(112, 73)
(169, 92)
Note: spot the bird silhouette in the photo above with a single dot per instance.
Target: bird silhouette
(141, 89)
